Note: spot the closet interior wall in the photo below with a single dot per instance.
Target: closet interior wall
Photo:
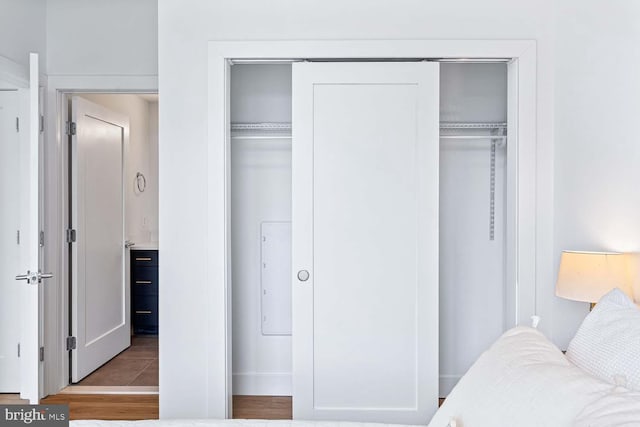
(472, 266)
(260, 198)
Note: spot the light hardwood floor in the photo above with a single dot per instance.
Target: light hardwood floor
(140, 407)
(263, 407)
(107, 406)
(12, 399)
(145, 406)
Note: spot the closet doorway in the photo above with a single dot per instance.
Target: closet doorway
(476, 299)
(112, 236)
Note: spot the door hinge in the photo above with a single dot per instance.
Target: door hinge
(41, 353)
(71, 343)
(18, 349)
(41, 123)
(17, 124)
(71, 128)
(18, 236)
(42, 238)
(71, 235)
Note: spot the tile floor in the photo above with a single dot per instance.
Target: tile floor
(136, 366)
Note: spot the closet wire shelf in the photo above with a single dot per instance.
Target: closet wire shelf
(272, 130)
(461, 130)
(495, 132)
(283, 130)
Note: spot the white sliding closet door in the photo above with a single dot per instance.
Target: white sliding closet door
(365, 241)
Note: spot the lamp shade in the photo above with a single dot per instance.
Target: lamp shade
(587, 276)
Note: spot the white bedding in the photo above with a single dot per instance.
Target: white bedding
(523, 380)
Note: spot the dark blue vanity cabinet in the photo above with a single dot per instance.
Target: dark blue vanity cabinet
(144, 291)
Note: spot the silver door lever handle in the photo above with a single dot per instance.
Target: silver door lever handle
(34, 278)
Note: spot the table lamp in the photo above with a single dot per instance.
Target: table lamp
(587, 276)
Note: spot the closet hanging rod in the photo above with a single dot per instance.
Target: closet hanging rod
(286, 126)
(244, 137)
(489, 137)
(478, 137)
(240, 61)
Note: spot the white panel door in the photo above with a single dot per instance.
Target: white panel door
(100, 295)
(9, 226)
(27, 270)
(365, 241)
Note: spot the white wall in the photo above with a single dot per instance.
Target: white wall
(183, 35)
(597, 154)
(23, 30)
(141, 208)
(96, 37)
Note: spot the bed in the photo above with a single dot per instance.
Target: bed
(524, 380)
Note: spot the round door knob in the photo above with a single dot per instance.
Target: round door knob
(303, 275)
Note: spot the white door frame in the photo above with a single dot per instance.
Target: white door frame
(56, 210)
(523, 226)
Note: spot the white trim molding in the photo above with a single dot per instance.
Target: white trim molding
(521, 197)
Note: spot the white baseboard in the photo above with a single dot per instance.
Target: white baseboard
(447, 382)
(261, 384)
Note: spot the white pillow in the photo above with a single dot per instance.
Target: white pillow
(607, 345)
